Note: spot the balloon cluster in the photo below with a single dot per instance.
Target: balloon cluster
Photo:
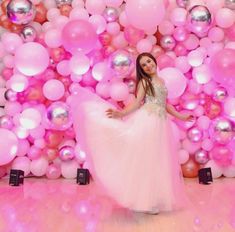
(49, 47)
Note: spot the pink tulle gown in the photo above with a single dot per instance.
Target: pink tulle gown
(134, 158)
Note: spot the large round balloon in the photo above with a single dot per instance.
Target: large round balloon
(145, 15)
(79, 36)
(8, 146)
(31, 59)
(175, 81)
(223, 67)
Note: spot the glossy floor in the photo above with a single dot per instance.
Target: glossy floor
(42, 205)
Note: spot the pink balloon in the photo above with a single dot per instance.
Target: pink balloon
(34, 152)
(53, 171)
(183, 156)
(178, 16)
(221, 155)
(203, 122)
(133, 35)
(144, 45)
(102, 89)
(166, 27)
(11, 41)
(79, 35)
(30, 118)
(95, 6)
(164, 61)
(180, 33)
(53, 89)
(175, 81)
(113, 3)
(31, 58)
(39, 166)
(79, 64)
(22, 163)
(229, 106)
(223, 67)
(216, 34)
(152, 12)
(23, 147)
(8, 146)
(119, 91)
(224, 17)
(201, 74)
(182, 64)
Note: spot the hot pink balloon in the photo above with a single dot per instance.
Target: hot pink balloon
(31, 58)
(8, 146)
(79, 35)
(221, 155)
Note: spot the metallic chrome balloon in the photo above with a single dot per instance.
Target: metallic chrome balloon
(11, 95)
(20, 11)
(222, 130)
(199, 20)
(63, 2)
(110, 14)
(220, 93)
(194, 134)
(28, 34)
(167, 42)
(201, 156)
(66, 153)
(59, 116)
(121, 63)
(182, 3)
(230, 4)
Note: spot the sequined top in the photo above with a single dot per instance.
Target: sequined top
(157, 104)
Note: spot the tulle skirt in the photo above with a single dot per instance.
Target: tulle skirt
(134, 159)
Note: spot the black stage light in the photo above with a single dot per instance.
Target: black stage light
(83, 176)
(16, 177)
(205, 176)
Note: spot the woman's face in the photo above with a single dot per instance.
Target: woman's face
(148, 65)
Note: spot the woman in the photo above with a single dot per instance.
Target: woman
(134, 159)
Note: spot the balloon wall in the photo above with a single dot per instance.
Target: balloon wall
(50, 47)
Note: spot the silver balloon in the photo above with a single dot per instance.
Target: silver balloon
(182, 3)
(199, 20)
(66, 153)
(230, 4)
(111, 14)
(167, 42)
(63, 2)
(28, 34)
(222, 130)
(59, 116)
(11, 95)
(201, 156)
(121, 63)
(20, 11)
(194, 134)
(219, 94)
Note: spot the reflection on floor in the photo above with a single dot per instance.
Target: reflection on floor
(42, 205)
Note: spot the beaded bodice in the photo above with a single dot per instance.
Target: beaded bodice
(157, 103)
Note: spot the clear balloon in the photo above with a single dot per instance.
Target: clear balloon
(199, 20)
(58, 116)
(20, 11)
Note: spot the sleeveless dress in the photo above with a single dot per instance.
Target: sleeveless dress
(135, 158)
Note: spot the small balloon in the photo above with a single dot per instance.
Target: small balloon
(10, 95)
(167, 42)
(20, 11)
(190, 169)
(28, 34)
(66, 153)
(201, 156)
(110, 14)
(194, 134)
(199, 20)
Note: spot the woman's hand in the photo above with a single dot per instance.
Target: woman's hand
(111, 113)
(187, 117)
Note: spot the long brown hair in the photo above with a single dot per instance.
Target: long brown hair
(144, 77)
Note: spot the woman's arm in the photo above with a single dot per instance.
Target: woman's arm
(134, 105)
(171, 110)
